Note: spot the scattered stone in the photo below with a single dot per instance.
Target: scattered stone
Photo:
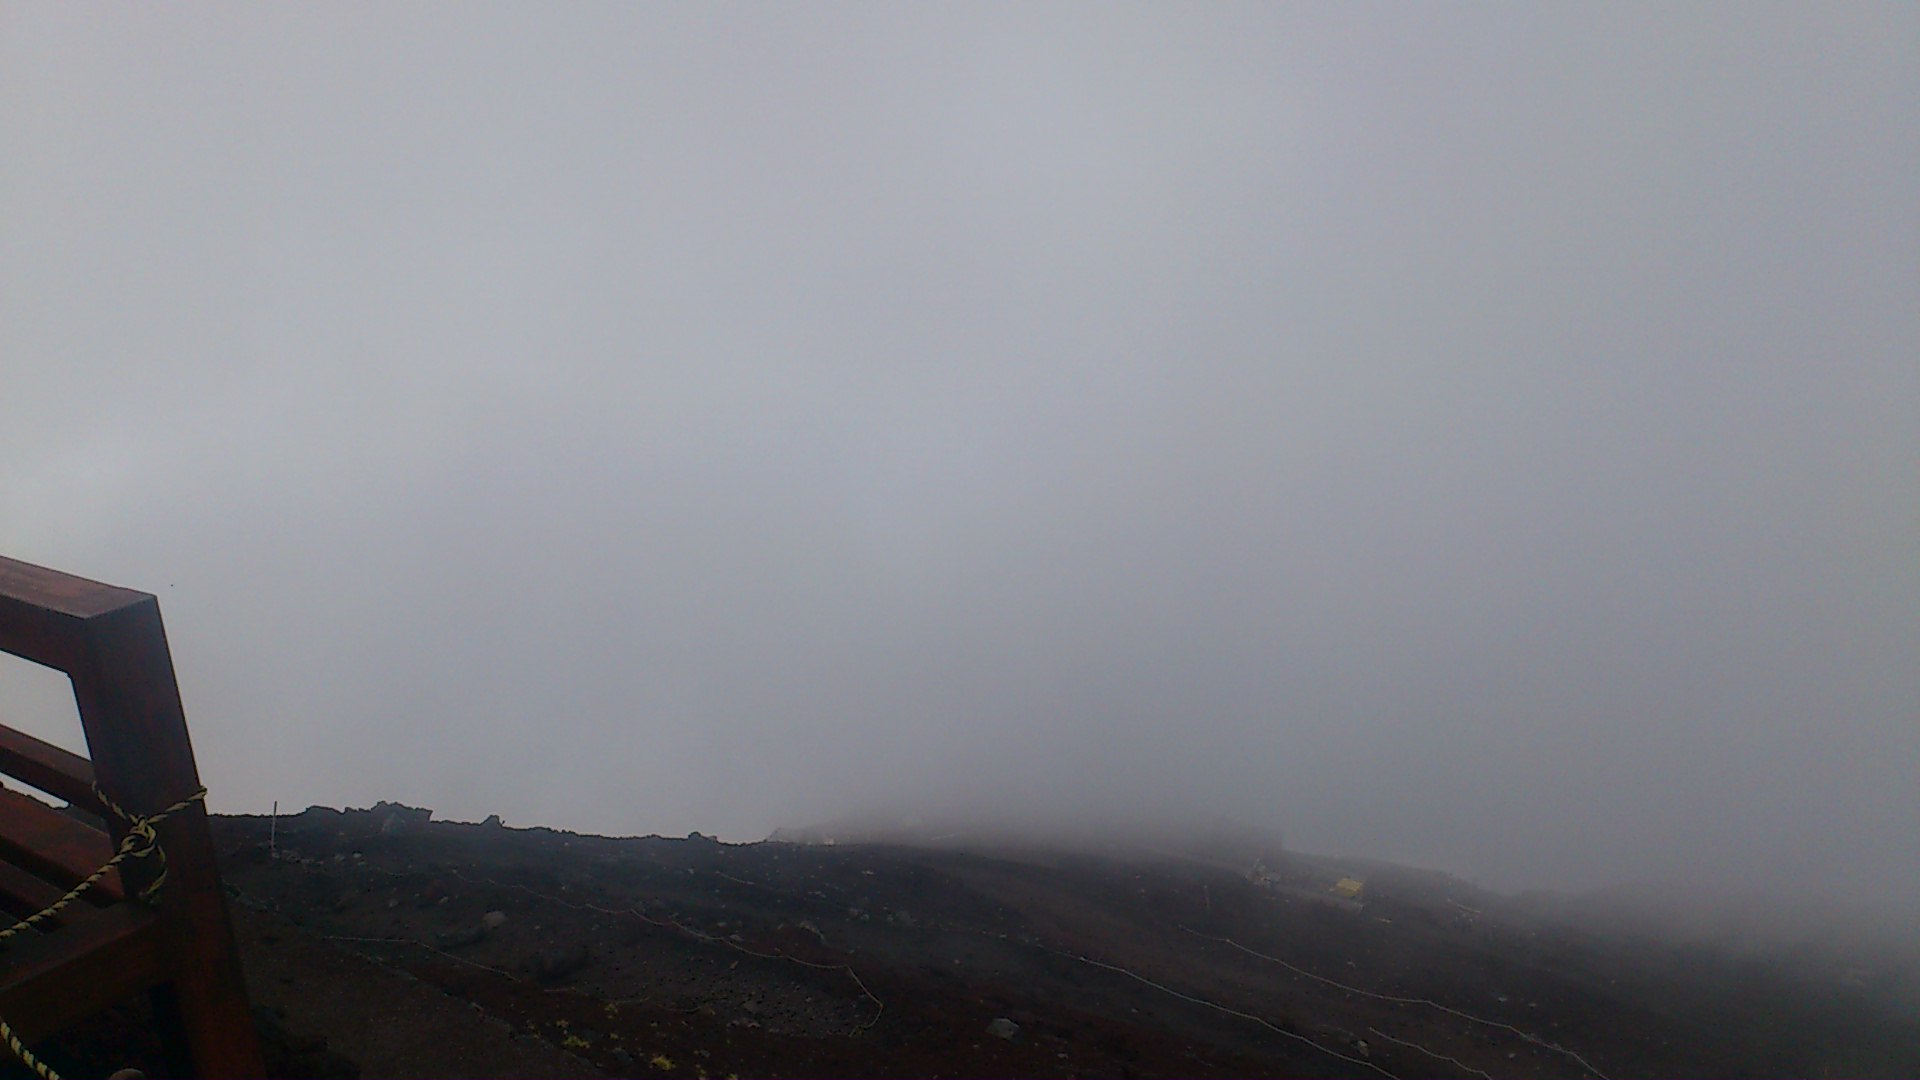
(292, 1054)
(552, 965)
(454, 939)
(494, 920)
(1004, 1028)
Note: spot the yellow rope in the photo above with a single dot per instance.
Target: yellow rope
(141, 841)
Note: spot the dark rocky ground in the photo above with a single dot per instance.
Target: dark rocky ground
(378, 944)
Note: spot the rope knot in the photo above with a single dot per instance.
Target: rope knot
(141, 840)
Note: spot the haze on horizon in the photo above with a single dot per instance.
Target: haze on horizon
(1481, 436)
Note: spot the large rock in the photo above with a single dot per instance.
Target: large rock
(397, 818)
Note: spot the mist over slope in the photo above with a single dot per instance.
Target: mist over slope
(1471, 438)
(995, 957)
(1784, 920)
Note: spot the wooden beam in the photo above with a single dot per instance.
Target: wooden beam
(59, 849)
(59, 773)
(53, 979)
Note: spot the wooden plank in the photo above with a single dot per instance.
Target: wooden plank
(60, 773)
(111, 642)
(48, 844)
(129, 704)
(43, 613)
(50, 980)
(23, 894)
(37, 587)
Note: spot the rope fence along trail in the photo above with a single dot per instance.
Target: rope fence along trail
(1524, 1035)
(1262, 1021)
(1136, 976)
(140, 842)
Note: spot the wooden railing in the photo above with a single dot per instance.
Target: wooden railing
(121, 936)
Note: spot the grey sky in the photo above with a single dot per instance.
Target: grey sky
(1483, 436)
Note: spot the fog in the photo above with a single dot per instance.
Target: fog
(1477, 436)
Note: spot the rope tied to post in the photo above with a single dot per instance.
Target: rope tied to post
(141, 841)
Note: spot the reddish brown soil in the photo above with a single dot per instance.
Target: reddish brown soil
(378, 948)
